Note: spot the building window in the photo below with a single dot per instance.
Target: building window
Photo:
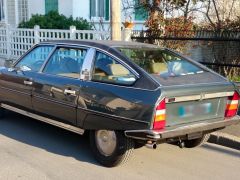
(23, 10)
(51, 5)
(1, 10)
(140, 12)
(99, 8)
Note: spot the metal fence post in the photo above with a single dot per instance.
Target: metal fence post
(36, 34)
(8, 40)
(73, 32)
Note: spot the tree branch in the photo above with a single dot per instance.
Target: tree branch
(217, 13)
(207, 14)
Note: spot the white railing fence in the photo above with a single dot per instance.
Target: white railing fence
(15, 41)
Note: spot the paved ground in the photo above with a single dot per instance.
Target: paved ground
(33, 150)
(233, 130)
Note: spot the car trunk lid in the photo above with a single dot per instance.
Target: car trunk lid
(196, 102)
(200, 78)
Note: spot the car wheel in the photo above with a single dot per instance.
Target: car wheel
(111, 148)
(1, 112)
(138, 145)
(197, 142)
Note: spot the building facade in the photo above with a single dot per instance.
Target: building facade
(15, 11)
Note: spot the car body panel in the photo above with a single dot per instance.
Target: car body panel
(181, 132)
(217, 105)
(129, 105)
(101, 105)
(49, 97)
(13, 90)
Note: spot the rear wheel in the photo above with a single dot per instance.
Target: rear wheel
(197, 142)
(138, 145)
(111, 148)
(1, 112)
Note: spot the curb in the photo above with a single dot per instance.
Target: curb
(224, 139)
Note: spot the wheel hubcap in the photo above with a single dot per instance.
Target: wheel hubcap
(106, 142)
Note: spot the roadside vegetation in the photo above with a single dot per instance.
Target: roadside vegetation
(181, 18)
(235, 78)
(53, 20)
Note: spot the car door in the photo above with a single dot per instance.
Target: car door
(56, 88)
(16, 83)
(108, 99)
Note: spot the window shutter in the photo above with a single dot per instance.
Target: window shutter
(93, 8)
(107, 8)
(140, 12)
(101, 8)
(51, 5)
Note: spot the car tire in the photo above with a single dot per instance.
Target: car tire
(111, 148)
(197, 142)
(138, 145)
(1, 112)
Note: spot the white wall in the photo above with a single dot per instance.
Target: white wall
(11, 12)
(36, 7)
(81, 8)
(76, 8)
(65, 7)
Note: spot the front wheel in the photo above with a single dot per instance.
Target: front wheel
(111, 148)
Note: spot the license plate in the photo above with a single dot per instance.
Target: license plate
(193, 110)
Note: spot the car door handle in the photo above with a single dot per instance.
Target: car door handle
(28, 82)
(69, 92)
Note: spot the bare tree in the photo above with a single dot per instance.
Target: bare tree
(191, 7)
(128, 9)
(219, 12)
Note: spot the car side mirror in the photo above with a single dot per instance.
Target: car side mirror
(8, 63)
(126, 80)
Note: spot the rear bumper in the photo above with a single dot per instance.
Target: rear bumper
(182, 131)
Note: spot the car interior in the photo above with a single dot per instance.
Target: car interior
(65, 63)
(108, 70)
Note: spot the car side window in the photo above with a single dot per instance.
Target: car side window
(34, 60)
(108, 70)
(66, 62)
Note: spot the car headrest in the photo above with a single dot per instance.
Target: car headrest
(103, 62)
(117, 69)
(156, 68)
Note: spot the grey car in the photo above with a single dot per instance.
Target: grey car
(125, 95)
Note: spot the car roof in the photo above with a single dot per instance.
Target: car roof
(103, 44)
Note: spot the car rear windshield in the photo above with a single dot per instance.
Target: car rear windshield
(161, 62)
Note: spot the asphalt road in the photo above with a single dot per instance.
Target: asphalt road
(33, 150)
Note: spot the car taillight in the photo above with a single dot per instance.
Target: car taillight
(232, 105)
(160, 116)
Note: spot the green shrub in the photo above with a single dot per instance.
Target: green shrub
(235, 78)
(53, 20)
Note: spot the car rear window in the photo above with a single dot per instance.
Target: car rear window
(161, 62)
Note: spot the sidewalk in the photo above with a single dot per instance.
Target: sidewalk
(232, 130)
(229, 137)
